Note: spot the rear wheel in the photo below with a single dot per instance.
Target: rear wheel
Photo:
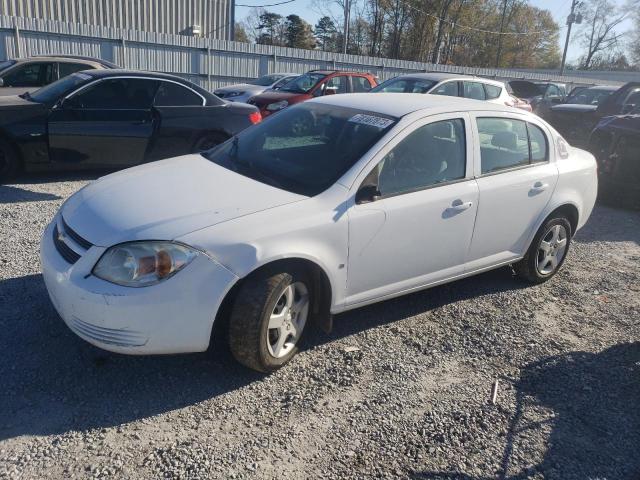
(547, 251)
(269, 319)
(9, 161)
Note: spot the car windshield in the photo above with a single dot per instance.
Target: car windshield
(6, 64)
(303, 83)
(589, 96)
(405, 85)
(52, 92)
(303, 149)
(266, 80)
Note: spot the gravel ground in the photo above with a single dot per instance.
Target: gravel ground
(399, 389)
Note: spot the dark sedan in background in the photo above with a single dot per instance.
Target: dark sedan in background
(113, 119)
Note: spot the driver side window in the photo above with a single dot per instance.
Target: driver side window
(430, 155)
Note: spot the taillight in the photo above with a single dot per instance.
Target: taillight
(255, 117)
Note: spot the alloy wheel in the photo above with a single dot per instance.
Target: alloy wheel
(552, 249)
(288, 319)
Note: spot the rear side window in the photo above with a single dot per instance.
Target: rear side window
(117, 94)
(65, 69)
(30, 75)
(449, 89)
(360, 84)
(174, 95)
(492, 91)
(473, 90)
(507, 143)
(432, 154)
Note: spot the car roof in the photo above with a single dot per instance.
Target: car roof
(119, 72)
(401, 104)
(66, 59)
(438, 76)
(331, 72)
(611, 88)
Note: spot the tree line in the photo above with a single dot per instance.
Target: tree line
(483, 33)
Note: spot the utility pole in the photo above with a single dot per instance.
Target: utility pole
(571, 19)
(347, 14)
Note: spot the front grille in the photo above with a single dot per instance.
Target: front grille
(63, 249)
(111, 336)
(74, 236)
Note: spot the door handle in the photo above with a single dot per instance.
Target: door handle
(539, 187)
(460, 206)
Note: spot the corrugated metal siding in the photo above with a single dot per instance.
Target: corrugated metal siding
(162, 16)
(212, 63)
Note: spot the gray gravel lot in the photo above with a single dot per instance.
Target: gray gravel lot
(399, 389)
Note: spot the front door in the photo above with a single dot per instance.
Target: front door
(417, 231)
(516, 179)
(108, 123)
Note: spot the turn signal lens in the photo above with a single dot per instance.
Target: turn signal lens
(255, 117)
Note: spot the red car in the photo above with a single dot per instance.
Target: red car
(313, 84)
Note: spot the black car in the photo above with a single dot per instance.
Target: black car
(113, 119)
(576, 121)
(615, 142)
(540, 95)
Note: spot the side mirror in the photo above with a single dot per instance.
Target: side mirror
(367, 194)
(1, 82)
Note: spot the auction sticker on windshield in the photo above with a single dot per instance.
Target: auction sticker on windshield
(371, 120)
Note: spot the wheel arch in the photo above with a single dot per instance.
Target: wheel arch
(204, 133)
(322, 291)
(568, 209)
(13, 144)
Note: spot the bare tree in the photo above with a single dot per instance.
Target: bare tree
(599, 30)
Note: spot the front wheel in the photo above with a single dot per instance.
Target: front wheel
(547, 251)
(268, 319)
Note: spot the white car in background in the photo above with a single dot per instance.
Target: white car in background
(280, 226)
(241, 92)
(449, 84)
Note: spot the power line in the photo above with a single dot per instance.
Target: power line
(266, 5)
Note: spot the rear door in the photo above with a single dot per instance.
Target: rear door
(67, 68)
(107, 123)
(516, 174)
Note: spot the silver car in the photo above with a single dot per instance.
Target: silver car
(241, 92)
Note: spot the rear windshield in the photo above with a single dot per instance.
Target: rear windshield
(588, 96)
(405, 85)
(52, 92)
(303, 149)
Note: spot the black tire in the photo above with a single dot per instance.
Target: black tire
(207, 142)
(9, 161)
(528, 268)
(249, 320)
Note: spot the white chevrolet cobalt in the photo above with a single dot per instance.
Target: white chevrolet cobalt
(283, 226)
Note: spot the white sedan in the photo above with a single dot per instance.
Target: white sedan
(282, 226)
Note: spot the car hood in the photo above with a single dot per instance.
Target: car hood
(274, 96)
(241, 87)
(574, 107)
(165, 200)
(629, 124)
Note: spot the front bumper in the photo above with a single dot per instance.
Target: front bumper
(174, 316)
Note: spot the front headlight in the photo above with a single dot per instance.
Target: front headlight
(274, 107)
(139, 264)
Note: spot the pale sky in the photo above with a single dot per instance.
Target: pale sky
(559, 9)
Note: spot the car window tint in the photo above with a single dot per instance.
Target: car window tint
(337, 84)
(174, 95)
(360, 84)
(432, 154)
(492, 91)
(449, 89)
(473, 90)
(117, 94)
(552, 91)
(503, 143)
(65, 69)
(31, 75)
(538, 141)
(633, 98)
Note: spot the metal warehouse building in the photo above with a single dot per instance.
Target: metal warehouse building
(208, 18)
